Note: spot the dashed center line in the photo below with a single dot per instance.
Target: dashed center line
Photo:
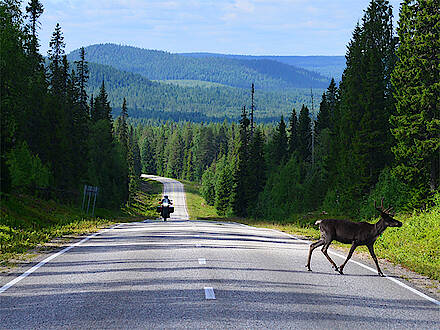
(209, 293)
(202, 261)
(198, 245)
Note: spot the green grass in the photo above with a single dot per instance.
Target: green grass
(198, 209)
(27, 221)
(415, 245)
(145, 202)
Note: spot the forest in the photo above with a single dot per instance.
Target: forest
(376, 133)
(197, 101)
(54, 136)
(160, 65)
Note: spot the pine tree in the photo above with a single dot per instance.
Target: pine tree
(34, 9)
(416, 80)
(305, 135)
(257, 170)
(223, 186)
(240, 176)
(55, 55)
(101, 106)
(293, 133)
(122, 132)
(361, 137)
(82, 70)
(280, 143)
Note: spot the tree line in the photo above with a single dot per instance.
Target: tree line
(53, 135)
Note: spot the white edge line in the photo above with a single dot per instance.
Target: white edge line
(417, 292)
(209, 293)
(45, 261)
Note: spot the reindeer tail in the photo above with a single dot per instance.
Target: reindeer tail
(317, 222)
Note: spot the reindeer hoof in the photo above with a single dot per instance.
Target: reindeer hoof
(308, 268)
(381, 274)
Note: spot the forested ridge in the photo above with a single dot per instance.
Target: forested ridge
(148, 99)
(328, 66)
(160, 65)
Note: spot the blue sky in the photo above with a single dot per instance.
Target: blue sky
(253, 27)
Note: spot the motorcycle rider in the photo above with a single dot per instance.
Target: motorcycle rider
(166, 208)
(166, 200)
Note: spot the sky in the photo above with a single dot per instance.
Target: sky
(248, 27)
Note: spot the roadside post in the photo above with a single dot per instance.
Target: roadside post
(89, 191)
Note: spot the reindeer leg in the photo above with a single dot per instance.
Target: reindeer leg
(324, 250)
(373, 255)
(350, 253)
(312, 247)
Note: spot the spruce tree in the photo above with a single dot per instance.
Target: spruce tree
(122, 132)
(305, 134)
(55, 55)
(416, 81)
(82, 70)
(257, 170)
(280, 143)
(239, 194)
(34, 9)
(293, 133)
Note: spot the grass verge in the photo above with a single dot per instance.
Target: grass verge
(198, 209)
(27, 222)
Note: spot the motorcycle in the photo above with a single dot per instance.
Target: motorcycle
(165, 209)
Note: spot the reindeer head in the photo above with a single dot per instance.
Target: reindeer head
(387, 215)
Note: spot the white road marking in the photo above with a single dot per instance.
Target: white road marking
(198, 245)
(202, 261)
(53, 256)
(209, 293)
(421, 294)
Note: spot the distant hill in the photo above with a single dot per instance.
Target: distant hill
(267, 74)
(194, 101)
(328, 66)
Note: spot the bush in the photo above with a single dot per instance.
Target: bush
(394, 192)
(27, 171)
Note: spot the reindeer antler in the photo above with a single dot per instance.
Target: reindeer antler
(382, 209)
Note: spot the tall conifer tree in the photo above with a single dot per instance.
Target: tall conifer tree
(305, 134)
(416, 79)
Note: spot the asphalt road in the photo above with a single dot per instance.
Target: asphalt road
(196, 274)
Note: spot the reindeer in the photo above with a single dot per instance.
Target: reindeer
(356, 233)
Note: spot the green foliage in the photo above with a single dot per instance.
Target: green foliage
(208, 185)
(415, 244)
(107, 168)
(26, 170)
(416, 79)
(223, 186)
(394, 192)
